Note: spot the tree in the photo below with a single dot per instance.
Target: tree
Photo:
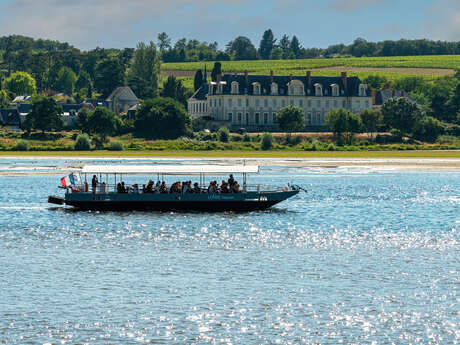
(285, 44)
(342, 121)
(266, 143)
(198, 80)
(241, 48)
(173, 88)
(428, 128)
(401, 113)
(4, 99)
(223, 134)
(371, 119)
(376, 81)
(143, 75)
(21, 83)
(83, 120)
(66, 80)
(290, 119)
(83, 81)
(45, 115)
(276, 54)
(162, 118)
(267, 44)
(164, 42)
(295, 46)
(102, 122)
(109, 75)
(216, 70)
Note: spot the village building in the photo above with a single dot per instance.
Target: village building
(251, 101)
(121, 100)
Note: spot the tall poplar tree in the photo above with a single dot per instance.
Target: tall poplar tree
(267, 44)
(143, 75)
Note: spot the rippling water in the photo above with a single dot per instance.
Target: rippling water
(364, 257)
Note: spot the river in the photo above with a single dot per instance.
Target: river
(366, 256)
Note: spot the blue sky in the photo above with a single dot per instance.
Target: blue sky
(87, 24)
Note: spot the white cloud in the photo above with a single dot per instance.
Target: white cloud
(351, 5)
(88, 23)
(443, 20)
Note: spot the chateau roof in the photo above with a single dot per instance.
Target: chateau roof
(246, 87)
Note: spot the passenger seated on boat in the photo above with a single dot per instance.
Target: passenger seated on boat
(135, 188)
(196, 188)
(149, 188)
(119, 189)
(163, 188)
(236, 187)
(123, 188)
(157, 187)
(224, 187)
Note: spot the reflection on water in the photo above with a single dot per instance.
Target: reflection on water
(363, 257)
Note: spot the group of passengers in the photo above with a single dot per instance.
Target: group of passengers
(230, 186)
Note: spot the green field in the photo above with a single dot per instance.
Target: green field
(289, 66)
(429, 67)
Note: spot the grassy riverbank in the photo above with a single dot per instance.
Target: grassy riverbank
(241, 154)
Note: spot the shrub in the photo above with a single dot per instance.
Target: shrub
(223, 134)
(267, 141)
(428, 128)
(83, 143)
(22, 145)
(331, 147)
(246, 137)
(116, 145)
(70, 147)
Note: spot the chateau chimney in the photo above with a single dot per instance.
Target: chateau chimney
(374, 97)
(344, 80)
(309, 78)
(271, 76)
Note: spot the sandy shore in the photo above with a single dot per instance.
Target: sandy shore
(20, 163)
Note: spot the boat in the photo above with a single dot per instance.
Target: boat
(107, 196)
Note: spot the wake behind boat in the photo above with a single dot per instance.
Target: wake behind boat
(227, 196)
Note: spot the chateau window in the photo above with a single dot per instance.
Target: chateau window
(309, 103)
(265, 118)
(210, 90)
(309, 118)
(239, 102)
(257, 102)
(327, 103)
(318, 103)
(335, 90)
(367, 104)
(239, 117)
(283, 103)
(230, 102)
(274, 89)
(291, 102)
(335, 103)
(235, 88)
(256, 89)
(344, 104)
(362, 90)
(230, 117)
(219, 89)
(318, 90)
(257, 115)
(274, 102)
(275, 119)
(265, 103)
(247, 118)
(300, 103)
(247, 102)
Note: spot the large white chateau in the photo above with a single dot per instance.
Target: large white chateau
(251, 101)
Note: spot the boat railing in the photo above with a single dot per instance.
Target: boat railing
(103, 188)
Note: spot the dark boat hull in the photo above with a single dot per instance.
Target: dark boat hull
(177, 202)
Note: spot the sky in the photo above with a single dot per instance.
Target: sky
(87, 24)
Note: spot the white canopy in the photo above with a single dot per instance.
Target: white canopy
(169, 169)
